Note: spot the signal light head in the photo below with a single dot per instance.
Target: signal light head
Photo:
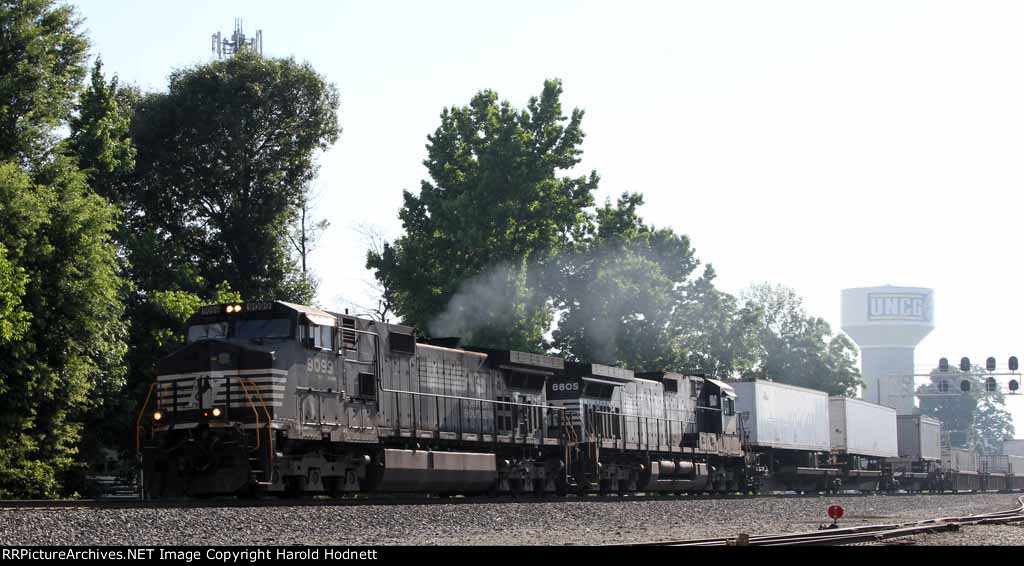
(943, 364)
(990, 364)
(990, 384)
(1014, 386)
(157, 416)
(965, 364)
(216, 411)
(1013, 363)
(965, 386)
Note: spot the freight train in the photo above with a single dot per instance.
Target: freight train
(277, 398)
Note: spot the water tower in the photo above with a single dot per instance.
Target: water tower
(887, 323)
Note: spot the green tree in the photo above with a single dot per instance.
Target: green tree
(42, 55)
(13, 318)
(975, 419)
(719, 336)
(61, 313)
(100, 135)
(630, 295)
(70, 356)
(496, 209)
(223, 161)
(619, 288)
(795, 348)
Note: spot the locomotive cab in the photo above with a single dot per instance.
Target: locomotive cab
(586, 392)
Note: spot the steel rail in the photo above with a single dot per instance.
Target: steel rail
(271, 501)
(859, 534)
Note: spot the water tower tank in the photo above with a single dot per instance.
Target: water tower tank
(887, 323)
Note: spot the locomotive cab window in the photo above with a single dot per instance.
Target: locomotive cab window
(265, 328)
(671, 386)
(207, 331)
(319, 337)
(728, 406)
(525, 381)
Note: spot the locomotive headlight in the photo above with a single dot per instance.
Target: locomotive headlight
(157, 416)
(216, 411)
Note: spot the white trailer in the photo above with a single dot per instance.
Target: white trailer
(1003, 465)
(1013, 447)
(959, 460)
(785, 417)
(859, 428)
(920, 438)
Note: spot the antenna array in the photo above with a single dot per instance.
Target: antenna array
(239, 42)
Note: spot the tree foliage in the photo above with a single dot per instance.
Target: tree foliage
(100, 134)
(62, 325)
(497, 204)
(42, 55)
(70, 355)
(13, 318)
(619, 290)
(793, 347)
(631, 294)
(223, 161)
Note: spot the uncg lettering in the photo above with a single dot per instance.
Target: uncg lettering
(897, 307)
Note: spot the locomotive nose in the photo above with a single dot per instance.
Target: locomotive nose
(211, 377)
(213, 356)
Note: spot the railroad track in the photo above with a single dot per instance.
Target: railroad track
(860, 534)
(125, 503)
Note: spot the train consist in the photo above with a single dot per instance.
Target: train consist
(272, 397)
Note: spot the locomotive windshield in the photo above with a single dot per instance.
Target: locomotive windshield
(268, 328)
(207, 331)
(242, 329)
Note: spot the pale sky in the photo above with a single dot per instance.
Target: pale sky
(817, 144)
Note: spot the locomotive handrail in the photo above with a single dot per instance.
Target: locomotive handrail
(255, 412)
(642, 431)
(138, 420)
(477, 399)
(380, 382)
(659, 419)
(270, 440)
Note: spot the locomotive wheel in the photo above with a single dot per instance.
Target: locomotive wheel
(335, 486)
(294, 486)
(538, 488)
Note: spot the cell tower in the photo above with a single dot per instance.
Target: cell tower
(238, 42)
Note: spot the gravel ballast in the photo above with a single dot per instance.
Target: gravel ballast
(568, 522)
